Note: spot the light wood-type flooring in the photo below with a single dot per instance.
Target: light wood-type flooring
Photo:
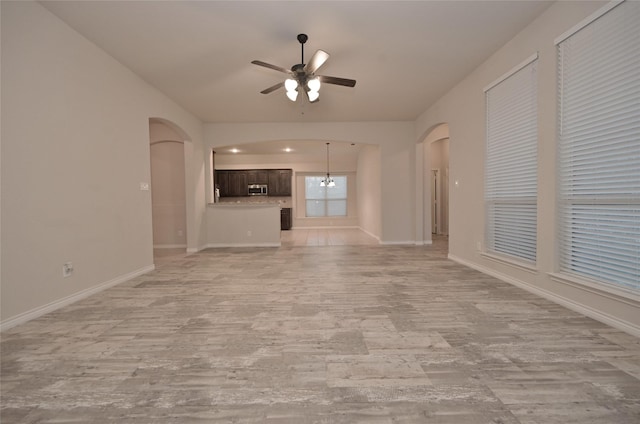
(317, 333)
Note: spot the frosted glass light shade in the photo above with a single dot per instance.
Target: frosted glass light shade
(313, 96)
(314, 84)
(290, 84)
(292, 95)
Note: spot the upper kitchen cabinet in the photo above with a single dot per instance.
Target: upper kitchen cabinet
(258, 176)
(231, 183)
(234, 182)
(280, 182)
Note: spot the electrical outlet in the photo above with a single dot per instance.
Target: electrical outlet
(248, 233)
(67, 269)
(478, 246)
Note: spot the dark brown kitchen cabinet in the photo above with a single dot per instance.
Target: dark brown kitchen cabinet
(231, 183)
(238, 184)
(280, 182)
(257, 176)
(222, 182)
(234, 182)
(285, 218)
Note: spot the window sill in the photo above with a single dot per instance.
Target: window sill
(524, 266)
(618, 293)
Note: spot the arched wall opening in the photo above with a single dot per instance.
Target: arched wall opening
(358, 161)
(168, 195)
(432, 195)
(171, 157)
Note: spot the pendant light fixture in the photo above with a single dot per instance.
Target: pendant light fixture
(327, 182)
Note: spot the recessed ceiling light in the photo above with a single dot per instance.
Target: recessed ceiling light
(287, 149)
(234, 150)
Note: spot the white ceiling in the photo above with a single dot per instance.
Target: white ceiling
(403, 54)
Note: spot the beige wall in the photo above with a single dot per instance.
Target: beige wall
(369, 196)
(168, 194)
(463, 109)
(75, 148)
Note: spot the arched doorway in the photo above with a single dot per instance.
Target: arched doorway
(435, 182)
(168, 190)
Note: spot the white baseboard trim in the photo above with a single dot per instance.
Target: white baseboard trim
(169, 246)
(327, 227)
(424, 243)
(369, 234)
(615, 322)
(57, 304)
(399, 243)
(266, 244)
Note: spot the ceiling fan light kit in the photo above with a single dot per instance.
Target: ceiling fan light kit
(302, 76)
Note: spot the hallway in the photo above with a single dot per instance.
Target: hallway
(320, 334)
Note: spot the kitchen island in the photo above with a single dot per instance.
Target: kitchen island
(239, 224)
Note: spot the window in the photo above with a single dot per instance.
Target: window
(511, 185)
(599, 148)
(325, 201)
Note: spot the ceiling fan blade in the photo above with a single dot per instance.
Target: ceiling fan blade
(337, 81)
(270, 66)
(272, 88)
(316, 61)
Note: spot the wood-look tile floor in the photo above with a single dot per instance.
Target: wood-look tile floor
(326, 237)
(326, 334)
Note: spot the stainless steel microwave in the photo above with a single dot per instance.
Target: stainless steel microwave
(257, 190)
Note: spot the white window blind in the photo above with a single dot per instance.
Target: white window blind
(511, 178)
(599, 149)
(325, 201)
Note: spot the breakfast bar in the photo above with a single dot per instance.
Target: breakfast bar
(232, 224)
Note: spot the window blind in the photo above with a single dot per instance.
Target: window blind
(599, 149)
(511, 185)
(325, 201)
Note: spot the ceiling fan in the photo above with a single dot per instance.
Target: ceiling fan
(303, 75)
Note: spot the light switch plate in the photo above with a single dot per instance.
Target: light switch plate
(144, 186)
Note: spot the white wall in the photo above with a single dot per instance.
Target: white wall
(463, 109)
(396, 141)
(75, 148)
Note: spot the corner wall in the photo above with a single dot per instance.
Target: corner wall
(463, 109)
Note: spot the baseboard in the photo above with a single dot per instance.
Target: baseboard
(561, 300)
(266, 244)
(424, 243)
(369, 234)
(399, 243)
(169, 246)
(327, 227)
(50, 307)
